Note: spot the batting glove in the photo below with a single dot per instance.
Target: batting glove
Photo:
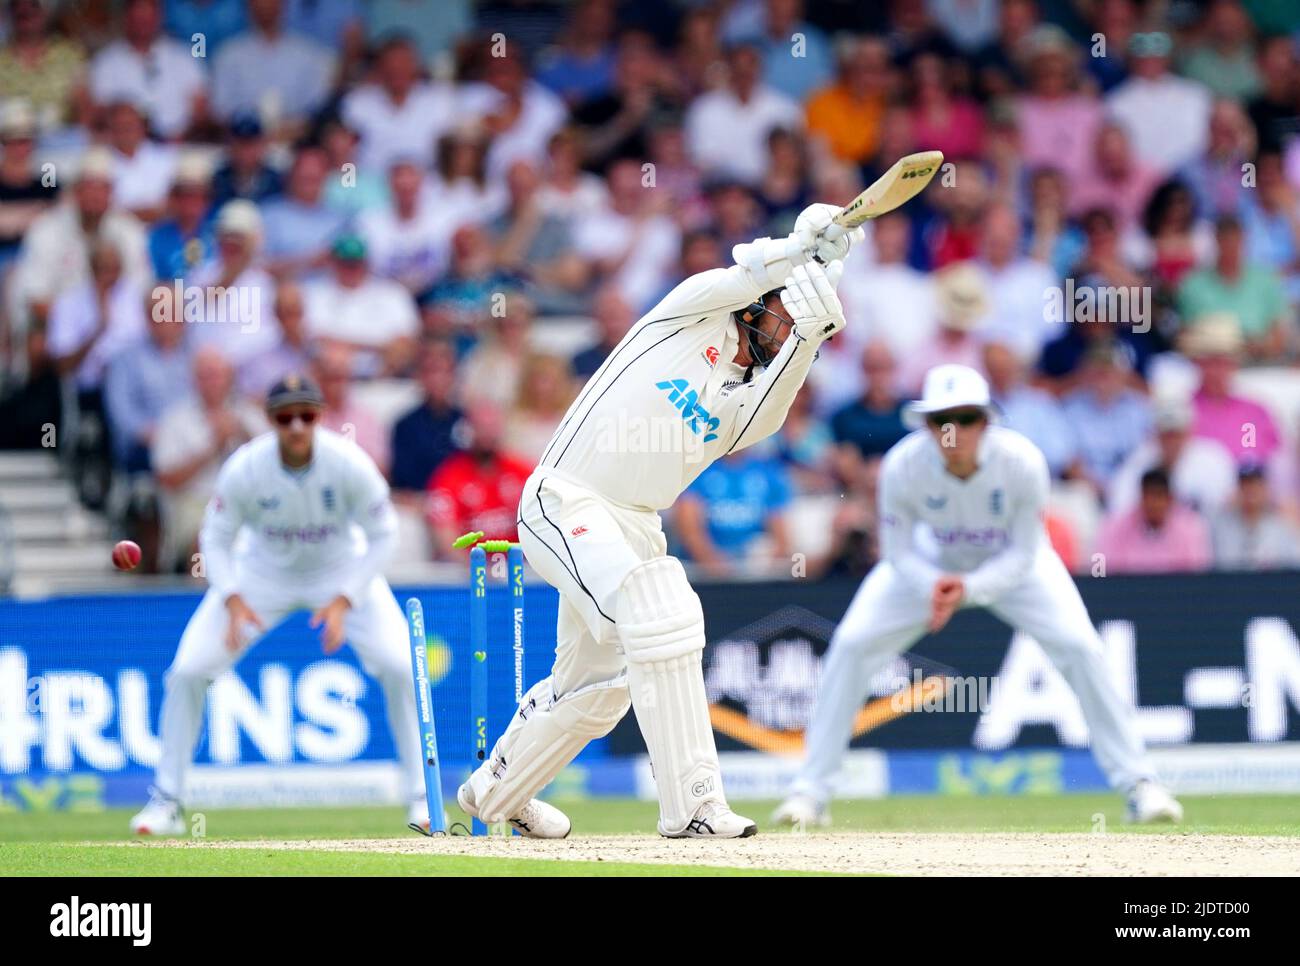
(820, 237)
(809, 296)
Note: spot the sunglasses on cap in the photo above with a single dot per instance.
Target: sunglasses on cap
(286, 419)
(962, 417)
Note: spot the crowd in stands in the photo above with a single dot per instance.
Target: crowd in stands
(465, 206)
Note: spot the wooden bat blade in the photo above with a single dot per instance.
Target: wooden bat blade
(902, 182)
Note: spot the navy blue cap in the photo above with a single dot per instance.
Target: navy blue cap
(294, 390)
(245, 126)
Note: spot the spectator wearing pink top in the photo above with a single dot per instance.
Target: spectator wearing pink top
(940, 120)
(1158, 536)
(332, 367)
(1058, 122)
(1245, 427)
(1115, 179)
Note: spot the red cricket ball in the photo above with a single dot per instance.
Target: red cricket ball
(126, 555)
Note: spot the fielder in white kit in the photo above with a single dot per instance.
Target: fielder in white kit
(710, 370)
(961, 506)
(317, 528)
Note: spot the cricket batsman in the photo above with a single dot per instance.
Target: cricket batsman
(708, 371)
(318, 527)
(961, 504)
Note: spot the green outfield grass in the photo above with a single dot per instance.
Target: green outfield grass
(40, 858)
(64, 843)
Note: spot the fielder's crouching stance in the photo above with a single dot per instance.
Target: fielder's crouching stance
(318, 528)
(975, 494)
(716, 364)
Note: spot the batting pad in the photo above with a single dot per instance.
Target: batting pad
(545, 734)
(661, 625)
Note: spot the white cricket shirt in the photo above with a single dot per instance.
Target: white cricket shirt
(668, 400)
(330, 524)
(987, 527)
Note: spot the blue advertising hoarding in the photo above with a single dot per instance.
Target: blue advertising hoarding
(81, 683)
(1212, 663)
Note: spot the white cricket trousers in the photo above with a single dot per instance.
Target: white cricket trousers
(375, 628)
(888, 615)
(584, 546)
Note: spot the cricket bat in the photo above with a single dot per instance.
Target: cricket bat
(902, 182)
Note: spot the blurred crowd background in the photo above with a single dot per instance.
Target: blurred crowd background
(450, 212)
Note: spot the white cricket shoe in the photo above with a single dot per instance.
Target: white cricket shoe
(714, 820)
(536, 820)
(1149, 802)
(162, 816)
(802, 811)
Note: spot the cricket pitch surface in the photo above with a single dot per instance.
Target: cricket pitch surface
(903, 853)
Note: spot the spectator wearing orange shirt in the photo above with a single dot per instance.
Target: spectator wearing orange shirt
(847, 114)
(477, 487)
(1061, 535)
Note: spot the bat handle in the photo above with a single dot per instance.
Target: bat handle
(834, 232)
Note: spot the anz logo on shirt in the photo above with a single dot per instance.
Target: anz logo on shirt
(686, 401)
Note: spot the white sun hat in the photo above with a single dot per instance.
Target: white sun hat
(239, 217)
(948, 387)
